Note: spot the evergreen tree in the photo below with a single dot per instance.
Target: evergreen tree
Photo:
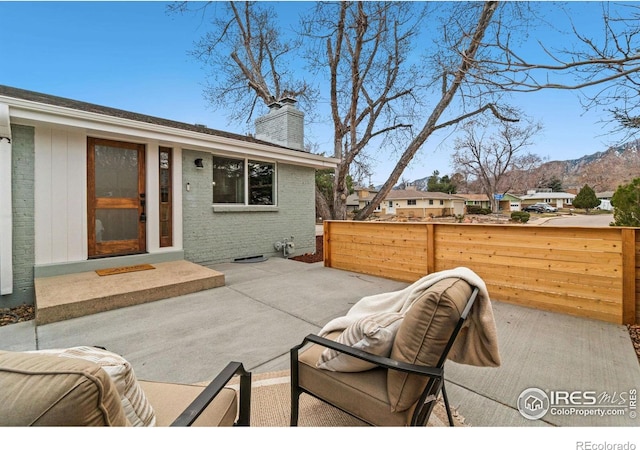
(555, 184)
(435, 183)
(626, 203)
(586, 199)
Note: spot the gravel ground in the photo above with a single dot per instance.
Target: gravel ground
(14, 315)
(634, 333)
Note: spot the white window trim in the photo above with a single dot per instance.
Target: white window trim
(246, 207)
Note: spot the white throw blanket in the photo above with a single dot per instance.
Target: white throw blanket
(477, 343)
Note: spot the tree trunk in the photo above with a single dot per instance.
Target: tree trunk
(340, 192)
(323, 211)
(431, 124)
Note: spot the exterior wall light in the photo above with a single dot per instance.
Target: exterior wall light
(198, 163)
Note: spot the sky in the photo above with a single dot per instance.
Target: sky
(135, 56)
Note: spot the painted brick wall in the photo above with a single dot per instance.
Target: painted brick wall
(23, 156)
(282, 125)
(223, 236)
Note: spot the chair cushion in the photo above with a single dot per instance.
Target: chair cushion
(137, 408)
(169, 400)
(47, 390)
(374, 334)
(363, 394)
(423, 336)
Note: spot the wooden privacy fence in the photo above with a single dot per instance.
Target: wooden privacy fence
(586, 272)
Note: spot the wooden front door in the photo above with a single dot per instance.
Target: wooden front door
(116, 198)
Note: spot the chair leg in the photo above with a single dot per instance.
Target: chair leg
(244, 416)
(295, 399)
(295, 392)
(446, 405)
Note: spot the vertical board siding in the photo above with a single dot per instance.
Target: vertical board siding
(77, 196)
(60, 196)
(574, 270)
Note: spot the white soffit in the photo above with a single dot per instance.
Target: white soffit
(27, 111)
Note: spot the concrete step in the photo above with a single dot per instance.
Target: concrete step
(81, 294)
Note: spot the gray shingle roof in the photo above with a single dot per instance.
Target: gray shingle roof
(401, 194)
(53, 100)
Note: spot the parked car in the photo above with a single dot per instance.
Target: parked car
(546, 207)
(534, 208)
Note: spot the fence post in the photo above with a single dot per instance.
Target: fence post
(326, 253)
(628, 276)
(431, 248)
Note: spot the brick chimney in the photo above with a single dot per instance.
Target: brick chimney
(282, 125)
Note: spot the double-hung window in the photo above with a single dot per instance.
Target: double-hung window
(243, 181)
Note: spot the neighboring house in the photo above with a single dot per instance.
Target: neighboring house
(605, 200)
(510, 202)
(480, 200)
(414, 203)
(557, 199)
(507, 202)
(80, 183)
(354, 200)
(352, 203)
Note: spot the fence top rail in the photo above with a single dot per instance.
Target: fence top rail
(456, 224)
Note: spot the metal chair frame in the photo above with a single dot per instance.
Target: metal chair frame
(200, 403)
(429, 395)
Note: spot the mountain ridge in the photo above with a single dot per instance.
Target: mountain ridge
(603, 171)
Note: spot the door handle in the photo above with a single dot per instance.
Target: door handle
(143, 215)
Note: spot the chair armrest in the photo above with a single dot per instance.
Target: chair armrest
(200, 403)
(381, 361)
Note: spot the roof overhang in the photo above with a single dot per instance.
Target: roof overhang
(32, 113)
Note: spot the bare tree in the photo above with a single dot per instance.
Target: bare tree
(489, 153)
(364, 47)
(459, 44)
(248, 58)
(378, 95)
(375, 90)
(601, 63)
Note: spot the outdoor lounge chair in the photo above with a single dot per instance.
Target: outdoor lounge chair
(401, 389)
(39, 389)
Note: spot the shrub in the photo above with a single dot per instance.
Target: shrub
(477, 209)
(520, 216)
(626, 206)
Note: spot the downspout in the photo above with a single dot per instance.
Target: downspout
(6, 206)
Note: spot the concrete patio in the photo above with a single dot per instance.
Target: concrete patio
(266, 308)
